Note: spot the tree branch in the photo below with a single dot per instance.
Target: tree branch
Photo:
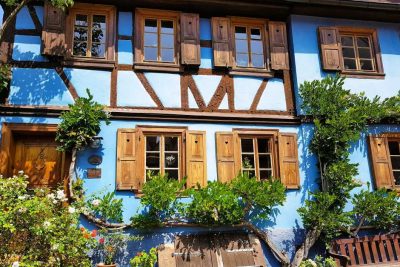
(12, 16)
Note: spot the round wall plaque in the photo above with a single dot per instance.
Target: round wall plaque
(95, 159)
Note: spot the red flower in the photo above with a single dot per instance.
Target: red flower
(86, 235)
(94, 233)
(82, 229)
(101, 240)
(138, 254)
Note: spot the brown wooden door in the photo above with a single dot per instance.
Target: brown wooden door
(37, 156)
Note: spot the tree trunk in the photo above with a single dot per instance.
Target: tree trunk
(302, 252)
(10, 17)
(71, 172)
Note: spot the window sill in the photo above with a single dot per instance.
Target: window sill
(160, 67)
(363, 75)
(252, 72)
(89, 62)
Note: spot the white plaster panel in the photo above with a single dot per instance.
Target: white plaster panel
(207, 85)
(167, 87)
(192, 101)
(245, 90)
(224, 103)
(273, 97)
(130, 91)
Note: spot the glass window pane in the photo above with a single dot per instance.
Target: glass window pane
(247, 145)
(255, 34)
(80, 48)
(167, 26)
(167, 55)
(257, 61)
(240, 33)
(150, 25)
(350, 64)
(152, 160)
(256, 47)
(348, 52)
(150, 39)
(242, 60)
(98, 35)
(265, 161)
(99, 21)
(366, 64)
(81, 20)
(80, 34)
(364, 53)
(152, 172)
(395, 163)
(347, 41)
(250, 173)
(171, 160)
(264, 145)
(264, 174)
(150, 53)
(248, 161)
(153, 143)
(396, 177)
(171, 143)
(394, 148)
(241, 46)
(172, 174)
(362, 42)
(98, 50)
(167, 41)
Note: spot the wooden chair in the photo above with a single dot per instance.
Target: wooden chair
(382, 250)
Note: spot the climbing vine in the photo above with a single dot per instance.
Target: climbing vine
(340, 117)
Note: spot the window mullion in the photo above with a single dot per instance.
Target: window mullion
(162, 155)
(248, 31)
(158, 40)
(256, 160)
(358, 62)
(89, 47)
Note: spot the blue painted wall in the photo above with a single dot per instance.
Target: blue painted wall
(306, 59)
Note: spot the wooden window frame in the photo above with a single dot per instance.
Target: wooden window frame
(375, 49)
(254, 134)
(141, 14)
(165, 131)
(92, 9)
(248, 23)
(395, 139)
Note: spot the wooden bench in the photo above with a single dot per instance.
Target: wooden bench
(382, 250)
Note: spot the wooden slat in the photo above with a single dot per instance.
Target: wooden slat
(396, 247)
(390, 250)
(359, 253)
(367, 253)
(374, 251)
(351, 254)
(382, 251)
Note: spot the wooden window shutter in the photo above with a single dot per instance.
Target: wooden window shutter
(129, 159)
(288, 160)
(190, 39)
(331, 52)
(221, 42)
(278, 45)
(381, 164)
(193, 250)
(138, 38)
(53, 33)
(165, 255)
(228, 162)
(259, 259)
(196, 170)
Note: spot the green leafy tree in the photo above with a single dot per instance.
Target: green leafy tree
(37, 228)
(105, 207)
(14, 6)
(340, 117)
(144, 259)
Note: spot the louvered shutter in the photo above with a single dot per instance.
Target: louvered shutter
(288, 159)
(139, 28)
(331, 52)
(227, 160)
(381, 164)
(190, 39)
(221, 42)
(129, 158)
(278, 45)
(53, 33)
(196, 170)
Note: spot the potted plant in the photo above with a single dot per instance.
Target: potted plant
(111, 245)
